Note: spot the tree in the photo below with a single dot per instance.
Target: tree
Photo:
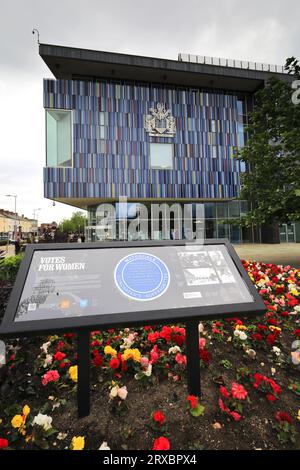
(75, 224)
(272, 154)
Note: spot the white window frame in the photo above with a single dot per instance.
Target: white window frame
(71, 137)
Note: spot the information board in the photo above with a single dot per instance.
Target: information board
(68, 286)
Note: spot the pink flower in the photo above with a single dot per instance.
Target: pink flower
(50, 376)
(180, 359)
(122, 392)
(238, 392)
(144, 362)
(202, 343)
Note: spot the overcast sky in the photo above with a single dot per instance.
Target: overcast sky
(258, 30)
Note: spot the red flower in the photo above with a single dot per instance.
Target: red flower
(165, 333)
(159, 417)
(97, 360)
(161, 443)
(205, 356)
(238, 392)
(297, 332)
(271, 339)
(271, 397)
(224, 392)
(236, 416)
(281, 417)
(153, 337)
(59, 356)
(3, 443)
(256, 336)
(114, 363)
(193, 401)
(222, 406)
(275, 387)
(69, 335)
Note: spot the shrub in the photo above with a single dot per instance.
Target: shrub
(9, 267)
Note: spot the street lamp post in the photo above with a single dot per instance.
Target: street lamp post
(15, 225)
(37, 225)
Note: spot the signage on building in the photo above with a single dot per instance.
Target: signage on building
(160, 122)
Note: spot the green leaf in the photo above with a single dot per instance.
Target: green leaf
(197, 411)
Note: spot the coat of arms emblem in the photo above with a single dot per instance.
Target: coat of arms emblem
(160, 122)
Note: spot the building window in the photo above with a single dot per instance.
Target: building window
(214, 152)
(213, 126)
(58, 138)
(161, 156)
(102, 125)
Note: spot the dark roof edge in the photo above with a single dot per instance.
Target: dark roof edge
(168, 65)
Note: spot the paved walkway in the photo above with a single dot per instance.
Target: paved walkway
(283, 253)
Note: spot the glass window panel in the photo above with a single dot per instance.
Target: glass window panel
(102, 132)
(210, 210)
(210, 228)
(240, 127)
(244, 207)
(241, 140)
(214, 151)
(161, 156)
(223, 230)
(234, 209)
(240, 107)
(222, 210)
(101, 119)
(235, 234)
(58, 138)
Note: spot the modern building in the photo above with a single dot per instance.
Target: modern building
(152, 130)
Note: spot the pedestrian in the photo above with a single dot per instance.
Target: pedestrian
(17, 245)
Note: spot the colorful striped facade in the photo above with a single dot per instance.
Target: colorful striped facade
(111, 148)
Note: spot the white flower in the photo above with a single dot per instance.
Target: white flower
(243, 336)
(200, 327)
(237, 333)
(251, 353)
(148, 371)
(276, 350)
(174, 350)
(113, 392)
(45, 346)
(48, 360)
(297, 308)
(273, 370)
(62, 435)
(44, 421)
(104, 446)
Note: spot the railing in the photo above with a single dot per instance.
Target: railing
(239, 64)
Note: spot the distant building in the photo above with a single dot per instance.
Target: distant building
(47, 226)
(24, 226)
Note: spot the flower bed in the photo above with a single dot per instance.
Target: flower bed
(250, 379)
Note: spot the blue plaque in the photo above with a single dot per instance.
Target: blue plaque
(142, 276)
